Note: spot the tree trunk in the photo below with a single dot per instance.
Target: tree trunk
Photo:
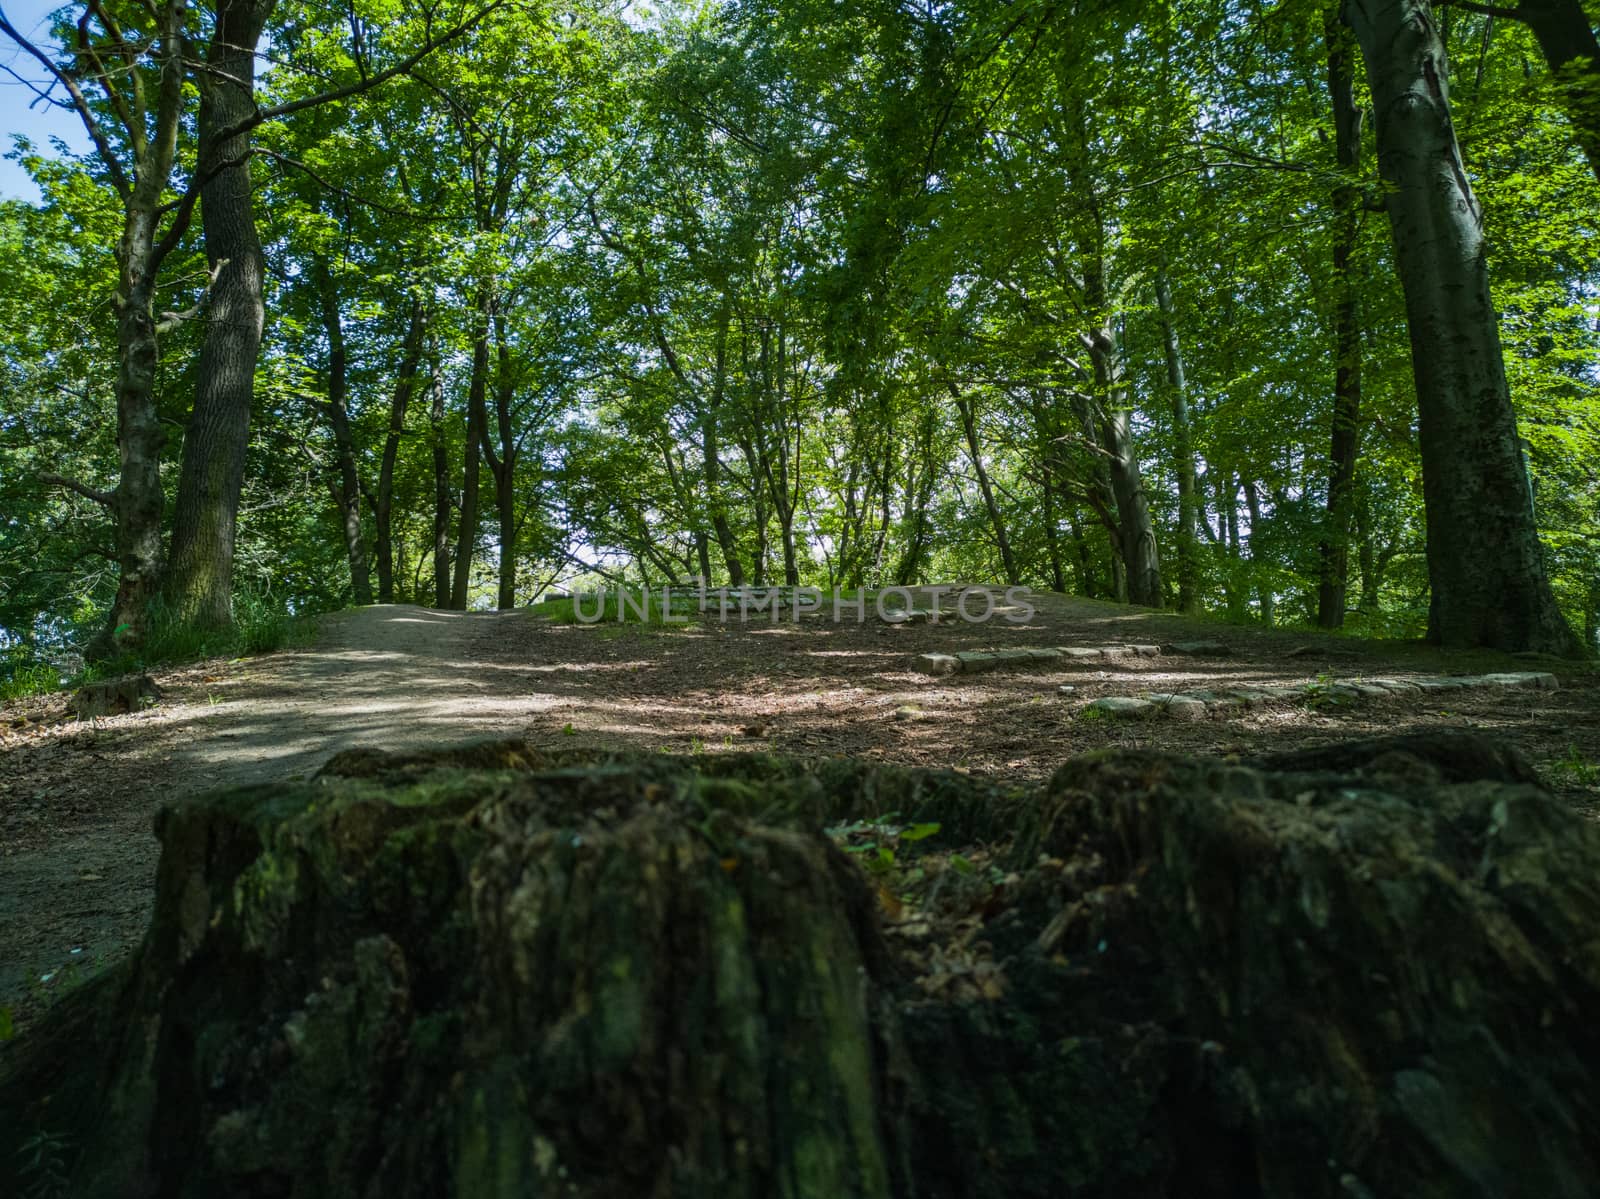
(1136, 532)
(1485, 563)
(205, 515)
(477, 421)
(138, 498)
(1264, 596)
(1334, 550)
(1183, 436)
(503, 466)
(383, 504)
(441, 492)
(346, 488)
(969, 427)
(711, 460)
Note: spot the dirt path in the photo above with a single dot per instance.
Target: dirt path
(77, 857)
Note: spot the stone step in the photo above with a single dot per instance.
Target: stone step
(979, 661)
(1191, 705)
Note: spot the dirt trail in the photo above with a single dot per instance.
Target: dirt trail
(77, 856)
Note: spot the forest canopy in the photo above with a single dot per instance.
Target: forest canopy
(1281, 311)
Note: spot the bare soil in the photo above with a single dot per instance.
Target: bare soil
(77, 799)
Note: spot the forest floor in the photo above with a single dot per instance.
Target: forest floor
(77, 799)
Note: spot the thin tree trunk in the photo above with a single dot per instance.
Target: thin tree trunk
(1334, 551)
(137, 500)
(1264, 596)
(477, 420)
(1136, 531)
(969, 427)
(383, 505)
(441, 492)
(503, 466)
(711, 461)
(346, 489)
(1183, 436)
(1485, 562)
(205, 515)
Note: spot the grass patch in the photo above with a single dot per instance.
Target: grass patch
(260, 626)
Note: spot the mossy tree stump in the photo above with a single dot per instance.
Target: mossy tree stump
(504, 973)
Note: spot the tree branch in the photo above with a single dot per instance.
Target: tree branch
(80, 104)
(104, 498)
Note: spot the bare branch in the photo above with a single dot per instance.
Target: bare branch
(171, 320)
(80, 104)
(103, 498)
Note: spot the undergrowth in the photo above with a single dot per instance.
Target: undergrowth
(260, 626)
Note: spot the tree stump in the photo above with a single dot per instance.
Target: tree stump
(504, 972)
(113, 697)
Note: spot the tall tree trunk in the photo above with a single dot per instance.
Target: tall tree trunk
(383, 504)
(503, 465)
(1136, 532)
(346, 489)
(477, 421)
(1334, 551)
(969, 427)
(441, 492)
(711, 460)
(205, 515)
(1183, 436)
(1485, 562)
(138, 498)
(1264, 596)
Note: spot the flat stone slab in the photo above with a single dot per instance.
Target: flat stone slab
(977, 661)
(1198, 649)
(1537, 679)
(1123, 707)
(1178, 706)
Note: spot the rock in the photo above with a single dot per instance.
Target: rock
(1198, 649)
(1398, 686)
(1066, 689)
(1123, 707)
(1367, 969)
(1146, 651)
(1321, 651)
(1367, 690)
(111, 697)
(974, 661)
(1538, 680)
(938, 664)
(1045, 655)
(1079, 653)
(1179, 707)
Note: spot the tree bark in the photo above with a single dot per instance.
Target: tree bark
(1485, 562)
(346, 488)
(503, 467)
(1334, 550)
(441, 492)
(477, 421)
(505, 971)
(969, 427)
(138, 499)
(1183, 436)
(383, 505)
(206, 512)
